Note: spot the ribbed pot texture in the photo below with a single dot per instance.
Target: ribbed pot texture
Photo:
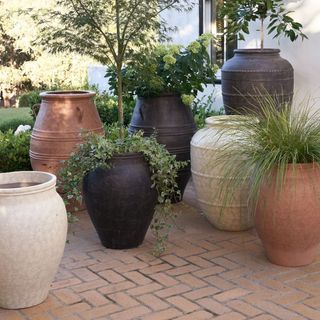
(62, 117)
(174, 126)
(252, 74)
(33, 228)
(288, 220)
(120, 201)
(233, 215)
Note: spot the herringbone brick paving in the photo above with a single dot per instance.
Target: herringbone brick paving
(205, 274)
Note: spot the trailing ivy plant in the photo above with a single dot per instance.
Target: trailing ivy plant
(168, 69)
(239, 13)
(97, 151)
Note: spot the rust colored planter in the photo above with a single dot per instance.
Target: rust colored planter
(288, 220)
(56, 133)
(252, 74)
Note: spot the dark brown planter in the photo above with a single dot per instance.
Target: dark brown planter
(253, 73)
(62, 117)
(120, 201)
(173, 123)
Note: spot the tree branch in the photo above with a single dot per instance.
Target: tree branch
(95, 25)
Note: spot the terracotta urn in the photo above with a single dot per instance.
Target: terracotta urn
(57, 131)
(287, 217)
(234, 215)
(33, 229)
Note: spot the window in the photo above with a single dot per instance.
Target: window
(221, 50)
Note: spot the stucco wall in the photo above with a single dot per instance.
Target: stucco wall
(304, 56)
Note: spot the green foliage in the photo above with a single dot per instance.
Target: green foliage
(117, 28)
(268, 141)
(240, 13)
(168, 68)
(108, 109)
(97, 151)
(14, 151)
(202, 109)
(12, 118)
(58, 71)
(27, 100)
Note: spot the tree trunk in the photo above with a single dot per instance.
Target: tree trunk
(120, 102)
(262, 34)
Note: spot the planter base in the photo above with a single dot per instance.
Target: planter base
(286, 258)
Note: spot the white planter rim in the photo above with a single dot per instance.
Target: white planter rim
(42, 180)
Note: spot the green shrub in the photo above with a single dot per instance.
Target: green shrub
(202, 109)
(14, 151)
(13, 124)
(11, 118)
(108, 109)
(27, 100)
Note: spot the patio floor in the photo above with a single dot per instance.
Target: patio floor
(204, 274)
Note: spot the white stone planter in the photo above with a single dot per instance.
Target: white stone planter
(33, 229)
(205, 145)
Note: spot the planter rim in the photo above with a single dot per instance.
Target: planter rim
(67, 94)
(301, 166)
(44, 181)
(257, 51)
(223, 120)
(165, 94)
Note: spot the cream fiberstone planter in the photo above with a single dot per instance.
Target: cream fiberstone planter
(205, 146)
(33, 229)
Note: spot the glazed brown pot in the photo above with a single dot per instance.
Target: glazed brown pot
(62, 117)
(288, 219)
(174, 126)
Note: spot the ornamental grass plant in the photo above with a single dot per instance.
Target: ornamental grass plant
(265, 143)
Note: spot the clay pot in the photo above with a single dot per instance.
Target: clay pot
(62, 117)
(33, 228)
(120, 201)
(174, 126)
(288, 220)
(253, 73)
(234, 215)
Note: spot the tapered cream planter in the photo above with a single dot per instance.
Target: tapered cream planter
(205, 146)
(33, 229)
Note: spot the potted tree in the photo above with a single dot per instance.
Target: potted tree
(278, 151)
(252, 72)
(166, 80)
(118, 29)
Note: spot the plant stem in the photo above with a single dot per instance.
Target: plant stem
(120, 101)
(262, 33)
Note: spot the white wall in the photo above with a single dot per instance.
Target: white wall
(304, 56)
(187, 24)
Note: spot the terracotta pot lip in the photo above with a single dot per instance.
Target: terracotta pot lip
(43, 180)
(67, 94)
(258, 51)
(308, 165)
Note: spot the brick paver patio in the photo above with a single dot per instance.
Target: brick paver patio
(204, 274)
